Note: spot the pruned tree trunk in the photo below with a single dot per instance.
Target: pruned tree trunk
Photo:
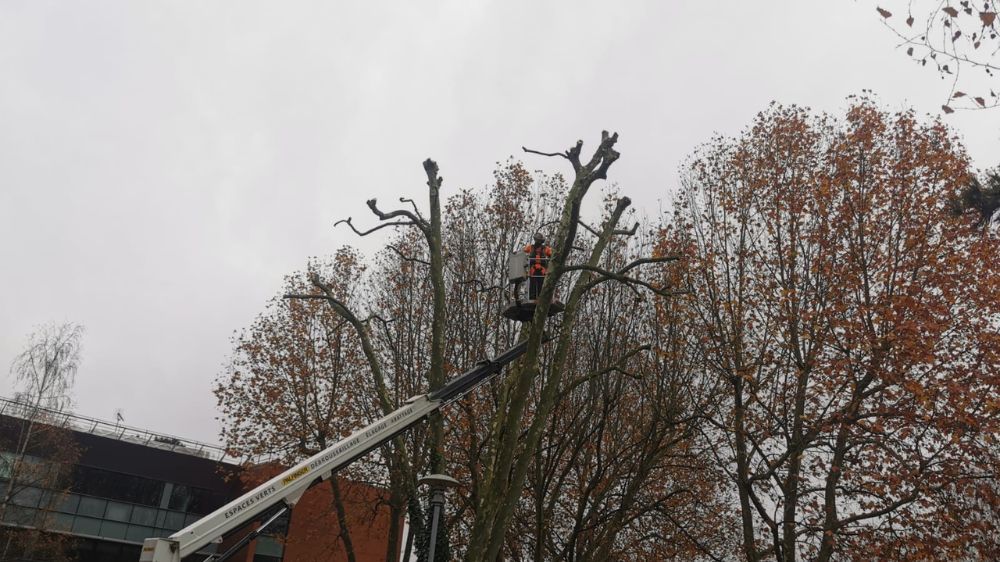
(505, 470)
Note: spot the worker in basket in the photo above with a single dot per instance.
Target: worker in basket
(539, 254)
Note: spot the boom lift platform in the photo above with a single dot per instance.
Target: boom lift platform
(517, 273)
(284, 490)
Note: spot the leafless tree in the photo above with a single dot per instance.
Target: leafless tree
(40, 450)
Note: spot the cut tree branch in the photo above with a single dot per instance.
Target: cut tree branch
(379, 227)
(540, 153)
(416, 210)
(384, 216)
(619, 232)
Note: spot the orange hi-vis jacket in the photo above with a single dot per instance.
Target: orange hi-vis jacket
(538, 259)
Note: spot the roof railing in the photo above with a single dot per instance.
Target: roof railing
(116, 430)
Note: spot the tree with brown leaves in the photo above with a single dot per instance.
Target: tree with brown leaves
(853, 320)
(293, 386)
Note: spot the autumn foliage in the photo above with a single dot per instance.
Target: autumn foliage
(816, 376)
(855, 323)
(950, 37)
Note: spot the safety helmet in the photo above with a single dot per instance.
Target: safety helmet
(539, 238)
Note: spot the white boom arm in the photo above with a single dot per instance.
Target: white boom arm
(289, 486)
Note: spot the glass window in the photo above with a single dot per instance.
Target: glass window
(48, 500)
(19, 515)
(204, 501)
(87, 526)
(62, 522)
(108, 551)
(118, 511)
(268, 547)
(6, 463)
(139, 534)
(161, 516)
(113, 530)
(194, 500)
(143, 516)
(174, 520)
(103, 551)
(117, 486)
(129, 553)
(68, 503)
(93, 507)
(180, 498)
(27, 497)
(280, 526)
(168, 491)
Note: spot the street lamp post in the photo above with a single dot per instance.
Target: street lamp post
(438, 483)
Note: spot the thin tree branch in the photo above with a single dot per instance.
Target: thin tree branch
(379, 227)
(416, 210)
(480, 285)
(384, 216)
(588, 228)
(606, 275)
(644, 261)
(559, 154)
(303, 297)
(374, 316)
(617, 366)
(619, 232)
(404, 257)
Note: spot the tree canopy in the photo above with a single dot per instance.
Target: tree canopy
(799, 360)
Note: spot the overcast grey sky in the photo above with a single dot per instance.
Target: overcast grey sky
(164, 164)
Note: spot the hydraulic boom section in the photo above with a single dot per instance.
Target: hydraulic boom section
(287, 487)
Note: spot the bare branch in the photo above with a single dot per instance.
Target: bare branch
(617, 366)
(643, 261)
(384, 216)
(348, 222)
(416, 210)
(404, 257)
(603, 157)
(629, 232)
(606, 275)
(619, 232)
(559, 154)
(588, 228)
(480, 285)
(573, 155)
(378, 317)
(303, 297)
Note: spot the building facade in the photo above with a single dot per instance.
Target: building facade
(126, 484)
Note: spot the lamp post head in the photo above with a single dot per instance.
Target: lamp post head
(438, 481)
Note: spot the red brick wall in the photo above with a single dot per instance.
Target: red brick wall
(314, 533)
